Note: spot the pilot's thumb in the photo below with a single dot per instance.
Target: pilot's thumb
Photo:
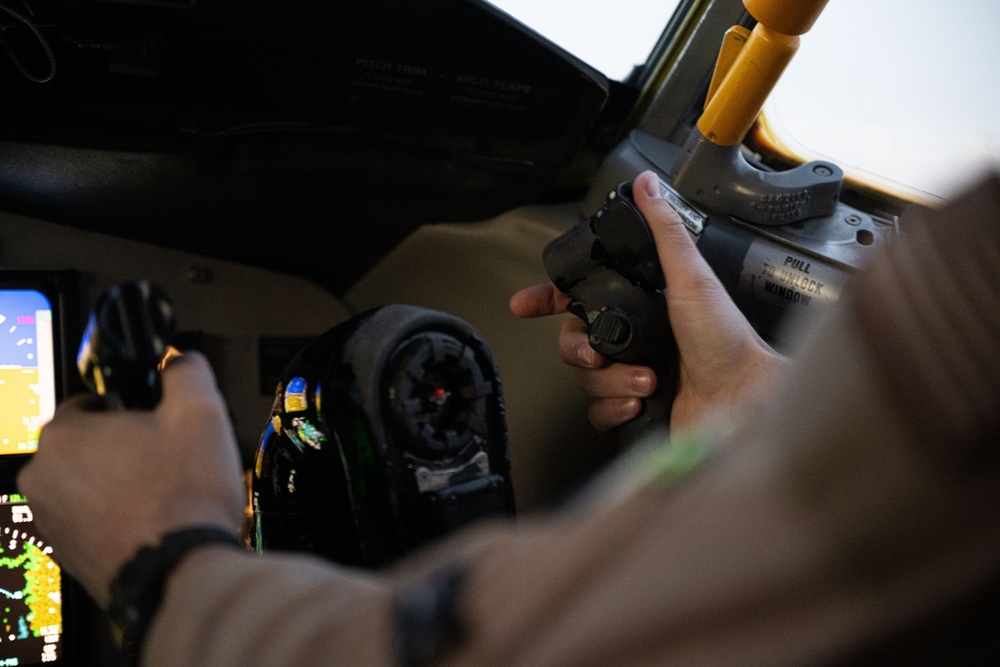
(684, 268)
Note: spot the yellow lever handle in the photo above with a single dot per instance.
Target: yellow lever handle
(736, 37)
(735, 101)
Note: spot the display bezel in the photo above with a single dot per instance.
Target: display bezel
(62, 290)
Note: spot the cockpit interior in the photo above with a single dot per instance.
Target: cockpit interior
(280, 169)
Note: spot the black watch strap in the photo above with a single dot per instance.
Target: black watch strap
(137, 589)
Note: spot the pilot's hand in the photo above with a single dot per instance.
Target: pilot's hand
(103, 484)
(721, 356)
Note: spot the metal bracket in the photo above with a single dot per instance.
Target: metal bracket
(435, 480)
(720, 178)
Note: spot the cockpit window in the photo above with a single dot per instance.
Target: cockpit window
(898, 89)
(611, 37)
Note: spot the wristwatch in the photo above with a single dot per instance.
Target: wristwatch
(137, 589)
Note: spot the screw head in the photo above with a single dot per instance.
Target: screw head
(199, 274)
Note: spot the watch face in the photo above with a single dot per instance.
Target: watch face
(31, 619)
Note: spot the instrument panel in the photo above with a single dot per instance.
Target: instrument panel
(247, 321)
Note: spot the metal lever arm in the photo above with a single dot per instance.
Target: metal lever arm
(712, 170)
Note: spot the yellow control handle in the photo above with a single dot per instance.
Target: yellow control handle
(745, 76)
(789, 17)
(736, 37)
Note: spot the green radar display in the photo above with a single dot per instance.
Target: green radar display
(31, 616)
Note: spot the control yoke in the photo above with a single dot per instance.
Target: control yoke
(127, 336)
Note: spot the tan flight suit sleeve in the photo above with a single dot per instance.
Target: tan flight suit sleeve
(858, 503)
(229, 609)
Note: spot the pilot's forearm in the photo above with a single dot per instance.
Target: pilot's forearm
(805, 538)
(225, 608)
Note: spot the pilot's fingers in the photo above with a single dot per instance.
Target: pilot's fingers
(616, 380)
(607, 413)
(73, 416)
(86, 402)
(687, 273)
(574, 346)
(188, 379)
(538, 301)
(193, 409)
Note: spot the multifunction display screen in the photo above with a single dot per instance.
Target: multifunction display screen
(27, 369)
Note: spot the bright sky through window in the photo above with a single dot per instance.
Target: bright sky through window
(903, 89)
(899, 88)
(612, 37)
